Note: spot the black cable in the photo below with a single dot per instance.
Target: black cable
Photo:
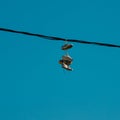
(61, 39)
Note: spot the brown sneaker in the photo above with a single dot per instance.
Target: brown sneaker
(67, 57)
(66, 67)
(67, 46)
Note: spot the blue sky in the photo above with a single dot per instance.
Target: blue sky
(32, 84)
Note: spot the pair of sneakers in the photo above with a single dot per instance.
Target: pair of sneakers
(66, 59)
(66, 62)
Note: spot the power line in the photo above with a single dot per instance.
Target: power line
(58, 38)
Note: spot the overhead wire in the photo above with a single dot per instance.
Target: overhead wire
(59, 39)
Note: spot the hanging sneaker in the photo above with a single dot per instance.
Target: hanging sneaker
(67, 57)
(67, 62)
(66, 67)
(67, 46)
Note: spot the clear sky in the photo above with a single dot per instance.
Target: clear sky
(33, 86)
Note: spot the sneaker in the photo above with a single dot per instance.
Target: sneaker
(66, 46)
(66, 67)
(67, 57)
(67, 62)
